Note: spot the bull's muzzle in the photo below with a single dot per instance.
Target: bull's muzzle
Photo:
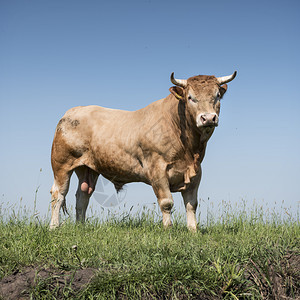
(207, 120)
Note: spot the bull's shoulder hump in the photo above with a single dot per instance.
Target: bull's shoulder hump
(155, 106)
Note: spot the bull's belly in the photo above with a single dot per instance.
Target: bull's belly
(123, 178)
(121, 171)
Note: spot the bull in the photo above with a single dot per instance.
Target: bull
(162, 145)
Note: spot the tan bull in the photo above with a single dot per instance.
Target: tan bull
(162, 145)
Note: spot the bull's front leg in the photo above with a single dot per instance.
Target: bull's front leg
(160, 185)
(191, 202)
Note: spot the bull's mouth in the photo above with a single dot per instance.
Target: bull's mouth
(206, 129)
(208, 126)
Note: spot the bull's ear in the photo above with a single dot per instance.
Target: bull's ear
(177, 91)
(223, 89)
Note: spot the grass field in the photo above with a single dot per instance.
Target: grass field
(239, 256)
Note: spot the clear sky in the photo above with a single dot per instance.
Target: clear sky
(58, 54)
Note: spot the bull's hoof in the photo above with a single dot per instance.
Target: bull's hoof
(53, 226)
(192, 228)
(167, 224)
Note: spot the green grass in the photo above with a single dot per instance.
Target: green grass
(239, 256)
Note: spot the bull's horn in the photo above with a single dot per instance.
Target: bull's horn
(179, 82)
(226, 79)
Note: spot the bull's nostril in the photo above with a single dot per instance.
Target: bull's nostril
(209, 119)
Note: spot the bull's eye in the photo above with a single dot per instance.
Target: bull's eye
(218, 95)
(192, 99)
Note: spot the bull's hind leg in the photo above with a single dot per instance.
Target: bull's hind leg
(59, 191)
(86, 186)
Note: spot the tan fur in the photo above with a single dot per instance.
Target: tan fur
(159, 145)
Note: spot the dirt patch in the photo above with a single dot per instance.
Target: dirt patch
(276, 280)
(21, 284)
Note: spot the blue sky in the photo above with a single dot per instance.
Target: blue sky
(58, 54)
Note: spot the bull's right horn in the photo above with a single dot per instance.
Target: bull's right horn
(179, 82)
(226, 79)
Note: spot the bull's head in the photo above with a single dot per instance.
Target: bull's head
(202, 95)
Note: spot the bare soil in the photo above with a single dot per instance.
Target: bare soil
(276, 280)
(20, 283)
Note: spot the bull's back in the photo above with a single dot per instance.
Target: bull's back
(80, 124)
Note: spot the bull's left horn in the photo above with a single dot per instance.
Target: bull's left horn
(179, 82)
(226, 79)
